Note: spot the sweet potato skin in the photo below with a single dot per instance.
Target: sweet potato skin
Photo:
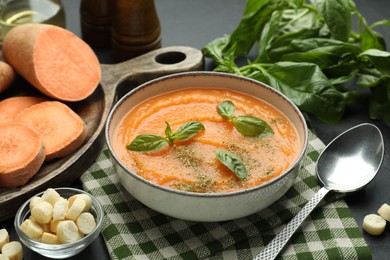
(17, 166)
(54, 60)
(7, 76)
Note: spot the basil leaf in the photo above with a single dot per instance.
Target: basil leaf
(255, 16)
(368, 81)
(307, 86)
(337, 15)
(224, 58)
(250, 125)
(372, 40)
(285, 26)
(379, 59)
(169, 133)
(147, 143)
(150, 142)
(188, 130)
(226, 109)
(233, 162)
(325, 45)
(322, 59)
(246, 125)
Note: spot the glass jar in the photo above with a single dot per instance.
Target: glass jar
(15, 12)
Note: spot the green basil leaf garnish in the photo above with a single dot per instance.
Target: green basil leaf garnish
(233, 162)
(226, 109)
(245, 125)
(188, 130)
(169, 133)
(249, 125)
(151, 142)
(148, 143)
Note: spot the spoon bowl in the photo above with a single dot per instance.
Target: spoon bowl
(352, 159)
(348, 163)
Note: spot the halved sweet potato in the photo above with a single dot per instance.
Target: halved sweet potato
(54, 60)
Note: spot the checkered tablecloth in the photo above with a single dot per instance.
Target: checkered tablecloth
(134, 231)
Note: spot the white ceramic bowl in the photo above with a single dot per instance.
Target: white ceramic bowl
(206, 207)
(62, 250)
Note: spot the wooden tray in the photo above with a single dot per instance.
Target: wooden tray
(117, 79)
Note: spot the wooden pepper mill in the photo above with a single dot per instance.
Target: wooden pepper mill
(135, 29)
(96, 19)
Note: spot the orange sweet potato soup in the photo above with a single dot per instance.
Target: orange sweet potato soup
(192, 165)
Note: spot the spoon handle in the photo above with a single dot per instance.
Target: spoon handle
(280, 240)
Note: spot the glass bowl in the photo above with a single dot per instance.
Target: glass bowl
(60, 251)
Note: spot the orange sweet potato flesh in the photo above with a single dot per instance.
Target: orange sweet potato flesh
(54, 60)
(11, 107)
(22, 154)
(62, 130)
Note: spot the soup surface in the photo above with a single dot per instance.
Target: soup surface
(192, 165)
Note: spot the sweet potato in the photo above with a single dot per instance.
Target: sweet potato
(11, 107)
(54, 60)
(22, 154)
(7, 76)
(63, 130)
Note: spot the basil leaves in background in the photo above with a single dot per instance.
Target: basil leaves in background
(151, 142)
(246, 125)
(309, 51)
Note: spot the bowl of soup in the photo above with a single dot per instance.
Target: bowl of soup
(206, 146)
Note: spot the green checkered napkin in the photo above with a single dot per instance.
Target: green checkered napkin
(134, 231)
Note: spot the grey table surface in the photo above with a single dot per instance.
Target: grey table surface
(195, 23)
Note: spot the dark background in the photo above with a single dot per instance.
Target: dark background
(196, 22)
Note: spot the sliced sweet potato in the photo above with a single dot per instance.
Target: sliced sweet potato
(11, 107)
(22, 154)
(7, 76)
(54, 60)
(62, 130)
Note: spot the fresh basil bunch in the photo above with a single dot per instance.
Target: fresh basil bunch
(308, 51)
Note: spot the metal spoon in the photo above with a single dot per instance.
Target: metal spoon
(347, 164)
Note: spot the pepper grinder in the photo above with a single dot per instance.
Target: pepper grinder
(95, 20)
(135, 29)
